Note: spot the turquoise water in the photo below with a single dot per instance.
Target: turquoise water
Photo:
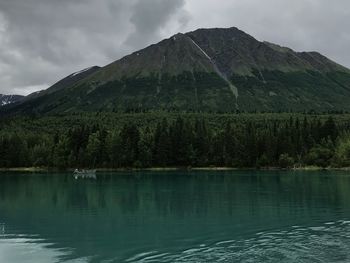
(239, 216)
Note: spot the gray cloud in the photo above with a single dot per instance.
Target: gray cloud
(149, 17)
(42, 41)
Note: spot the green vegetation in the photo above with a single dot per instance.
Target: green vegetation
(297, 91)
(160, 139)
(264, 91)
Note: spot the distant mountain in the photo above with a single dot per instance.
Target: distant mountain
(8, 99)
(220, 70)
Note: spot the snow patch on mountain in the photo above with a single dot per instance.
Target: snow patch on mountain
(205, 54)
(81, 71)
(233, 88)
(8, 99)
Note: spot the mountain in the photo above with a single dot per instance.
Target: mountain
(8, 99)
(66, 82)
(29, 103)
(212, 70)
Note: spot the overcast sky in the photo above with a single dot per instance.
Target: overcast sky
(42, 41)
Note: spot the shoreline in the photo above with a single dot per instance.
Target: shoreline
(169, 169)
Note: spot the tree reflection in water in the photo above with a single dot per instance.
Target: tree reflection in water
(119, 215)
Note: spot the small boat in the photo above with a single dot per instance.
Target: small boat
(84, 173)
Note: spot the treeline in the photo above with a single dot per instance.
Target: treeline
(181, 142)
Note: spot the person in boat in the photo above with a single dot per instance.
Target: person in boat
(83, 171)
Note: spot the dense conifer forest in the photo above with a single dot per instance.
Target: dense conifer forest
(160, 139)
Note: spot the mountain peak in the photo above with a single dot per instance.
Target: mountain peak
(209, 69)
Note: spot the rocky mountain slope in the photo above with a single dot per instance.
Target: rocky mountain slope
(8, 99)
(212, 70)
(28, 103)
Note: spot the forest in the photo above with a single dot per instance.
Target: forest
(162, 139)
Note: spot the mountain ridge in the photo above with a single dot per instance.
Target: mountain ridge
(219, 69)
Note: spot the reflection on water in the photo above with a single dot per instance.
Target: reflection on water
(17, 249)
(326, 243)
(176, 217)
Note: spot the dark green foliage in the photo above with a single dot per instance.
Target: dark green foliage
(263, 91)
(192, 92)
(342, 151)
(175, 140)
(321, 154)
(297, 91)
(285, 161)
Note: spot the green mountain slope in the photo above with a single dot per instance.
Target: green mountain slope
(218, 70)
(32, 102)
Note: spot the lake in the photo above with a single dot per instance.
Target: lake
(231, 216)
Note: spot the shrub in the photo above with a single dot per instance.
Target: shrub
(285, 161)
(342, 152)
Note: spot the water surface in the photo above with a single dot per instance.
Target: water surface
(238, 216)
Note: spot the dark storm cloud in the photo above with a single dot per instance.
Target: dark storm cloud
(42, 41)
(149, 17)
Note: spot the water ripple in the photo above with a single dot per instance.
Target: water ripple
(329, 242)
